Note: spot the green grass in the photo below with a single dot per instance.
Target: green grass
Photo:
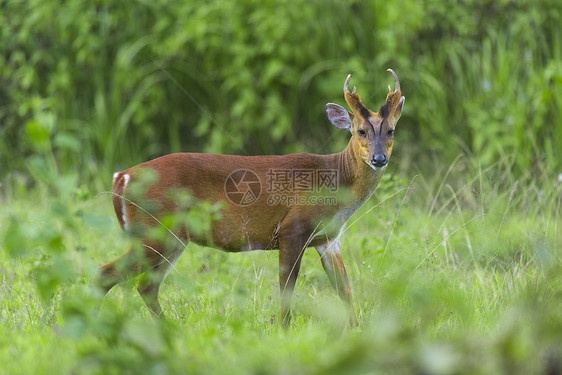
(454, 273)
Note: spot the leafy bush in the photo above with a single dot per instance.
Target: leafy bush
(105, 84)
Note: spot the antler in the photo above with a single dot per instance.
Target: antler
(388, 108)
(396, 83)
(346, 84)
(392, 98)
(354, 100)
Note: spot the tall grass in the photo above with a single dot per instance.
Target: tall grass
(456, 272)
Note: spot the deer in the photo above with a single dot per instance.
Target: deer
(249, 218)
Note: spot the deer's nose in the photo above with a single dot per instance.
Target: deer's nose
(379, 160)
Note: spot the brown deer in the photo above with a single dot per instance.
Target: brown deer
(271, 202)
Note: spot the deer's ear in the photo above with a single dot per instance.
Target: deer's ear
(338, 116)
(398, 111)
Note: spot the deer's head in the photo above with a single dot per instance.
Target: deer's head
(372, 132)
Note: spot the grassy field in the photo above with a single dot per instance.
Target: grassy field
(456, 265)
(454, 273)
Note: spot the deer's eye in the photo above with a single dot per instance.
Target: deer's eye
(390, 132)
(361, 132)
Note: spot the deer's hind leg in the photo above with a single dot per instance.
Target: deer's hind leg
(154, 261)
(120, 269)
(161, 262)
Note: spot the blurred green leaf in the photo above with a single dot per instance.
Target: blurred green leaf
(37, 132)
(40, 170)
(15, 241)
(147, 336)
(49, 275)
(67, 141)
(94, 220)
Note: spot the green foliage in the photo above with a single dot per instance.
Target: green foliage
(456, 270)
(201, 216)
(103, 85)
(453, 274)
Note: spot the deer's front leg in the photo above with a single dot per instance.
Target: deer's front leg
(291, 249)
(333, 265)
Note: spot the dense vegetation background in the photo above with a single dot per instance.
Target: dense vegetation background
(105, 84)
(456, 271)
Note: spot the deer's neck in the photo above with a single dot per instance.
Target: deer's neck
(356, 175)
